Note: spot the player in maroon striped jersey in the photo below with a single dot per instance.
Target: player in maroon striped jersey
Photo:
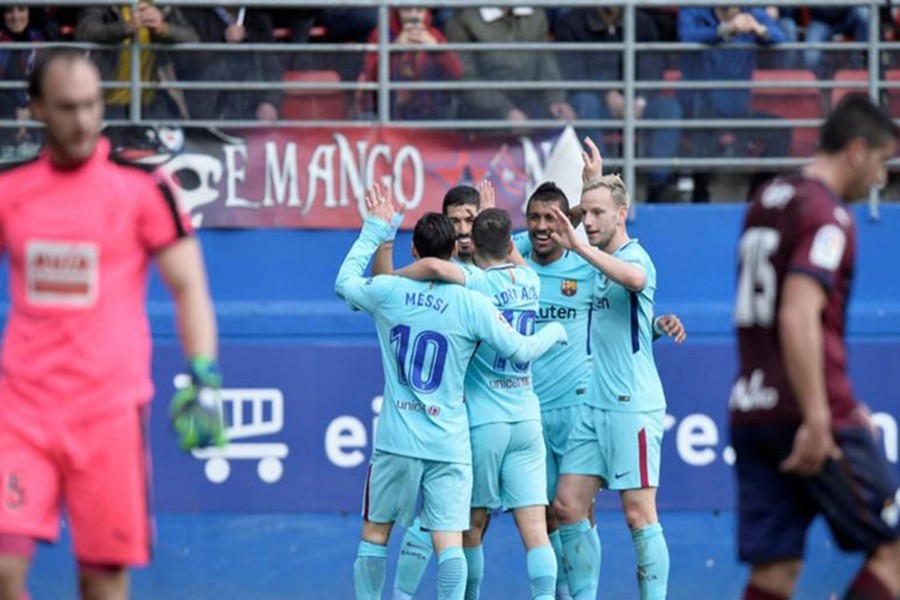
(804, 445)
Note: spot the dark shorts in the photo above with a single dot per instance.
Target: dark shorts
(858, 495)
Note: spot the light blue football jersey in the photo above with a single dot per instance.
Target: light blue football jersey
(428, 333)
(562, 374)
(624, 376)
(499, 390)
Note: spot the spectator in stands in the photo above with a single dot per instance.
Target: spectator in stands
(328, 26)
(146, 23)
(413, 26)
(665, 18)
(718, 27)
(782, 59)
(827, 22)
(15, 65)
(514, 26)
(234, 25)
(604, 24)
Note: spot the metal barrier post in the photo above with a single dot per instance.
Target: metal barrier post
(873, 55)
(134, 85)
(628, 144)
(384, 64)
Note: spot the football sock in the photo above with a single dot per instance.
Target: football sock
(542, 572)
(653, 561)
(475, 566)
(581, 557)
(415, 552)
(562, 586)
(867, 586)
(368, 570)
(451, 575)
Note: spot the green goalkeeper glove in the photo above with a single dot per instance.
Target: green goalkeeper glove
(196, 410)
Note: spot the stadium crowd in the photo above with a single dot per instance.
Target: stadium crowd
(118, 25)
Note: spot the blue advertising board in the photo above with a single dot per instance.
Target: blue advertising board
(302, 418)
(303, 373)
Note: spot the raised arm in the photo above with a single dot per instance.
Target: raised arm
(350, 284)
(383, 263)
(629, 276)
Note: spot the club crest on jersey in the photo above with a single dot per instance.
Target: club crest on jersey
(62, 273)
(569, 287)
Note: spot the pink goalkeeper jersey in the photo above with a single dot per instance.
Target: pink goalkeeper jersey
(80, 241)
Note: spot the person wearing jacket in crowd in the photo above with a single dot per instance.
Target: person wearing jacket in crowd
(148, 24)
(720, 27)
(15, 65)
(413, 26)
(234, 25)
(512, 25)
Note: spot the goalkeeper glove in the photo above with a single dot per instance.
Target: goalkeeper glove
(196, 410)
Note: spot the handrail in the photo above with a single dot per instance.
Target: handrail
(629, 49)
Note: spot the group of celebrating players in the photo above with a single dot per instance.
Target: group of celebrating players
(518, 370)
(476, 427)
(470, 424)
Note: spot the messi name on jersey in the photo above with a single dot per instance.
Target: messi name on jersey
(427, 301)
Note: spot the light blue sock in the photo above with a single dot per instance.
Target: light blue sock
(415, 552)
(475, 565)
(368, 570)
(653, 561)
(581, 556)
(451, 576)
(542, 572)
(562, 585)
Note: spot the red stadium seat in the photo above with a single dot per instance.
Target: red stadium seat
(314, 104)
(862, 77)
(893, 95)
(790, 103)
(849, 75)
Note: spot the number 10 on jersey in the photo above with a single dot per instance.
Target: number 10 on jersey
(420, 365)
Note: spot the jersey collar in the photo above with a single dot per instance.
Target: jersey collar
(501, 267)
(625, 245)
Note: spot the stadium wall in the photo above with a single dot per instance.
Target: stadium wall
(303, 372)
(287, 339)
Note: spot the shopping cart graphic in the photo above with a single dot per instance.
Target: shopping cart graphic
(248, 413)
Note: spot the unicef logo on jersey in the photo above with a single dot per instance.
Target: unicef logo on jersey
(419, 407)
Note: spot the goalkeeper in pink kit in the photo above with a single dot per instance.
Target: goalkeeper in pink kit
(81, 229)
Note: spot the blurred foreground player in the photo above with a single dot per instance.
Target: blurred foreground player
(81, 230)
(804, 445)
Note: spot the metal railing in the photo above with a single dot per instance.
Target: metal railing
(629, 48)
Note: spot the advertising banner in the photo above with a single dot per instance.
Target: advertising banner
(302, 419)
(316, 178)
